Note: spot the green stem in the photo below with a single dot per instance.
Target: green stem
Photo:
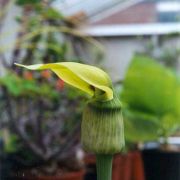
(104, 166)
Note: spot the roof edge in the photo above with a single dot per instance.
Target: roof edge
(131, 30)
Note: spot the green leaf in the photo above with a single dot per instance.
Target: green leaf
(154, 92)
(139, 126)
(150, 87)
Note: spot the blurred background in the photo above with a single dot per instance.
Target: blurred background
(136, 41)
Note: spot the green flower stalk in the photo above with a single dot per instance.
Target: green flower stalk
(102, 124)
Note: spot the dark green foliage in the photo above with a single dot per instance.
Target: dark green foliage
(25, 2)
(30, 2)
(19, 87)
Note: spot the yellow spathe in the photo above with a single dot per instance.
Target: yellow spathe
(89, 79)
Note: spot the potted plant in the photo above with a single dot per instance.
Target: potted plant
(46, 132)
(151, 100)
(45, 35)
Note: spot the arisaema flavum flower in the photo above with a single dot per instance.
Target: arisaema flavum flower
(102, 124)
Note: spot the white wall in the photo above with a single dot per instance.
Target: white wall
(10, 28)
(9, 32)
(120, 50)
